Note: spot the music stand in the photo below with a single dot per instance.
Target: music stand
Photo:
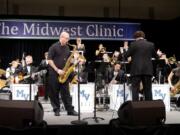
(124, 78)
(158, 66)
(96, 65)
(30, 84)
(79, 121)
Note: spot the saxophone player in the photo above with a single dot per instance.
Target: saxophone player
(174, 80)
(115, 75)
(58, 55)
(79, 66)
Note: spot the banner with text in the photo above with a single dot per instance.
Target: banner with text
(47, 29)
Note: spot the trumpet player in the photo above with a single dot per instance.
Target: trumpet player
(80, 46)
(123, 51)
(100, 52)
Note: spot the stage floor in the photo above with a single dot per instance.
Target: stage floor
(172, 117)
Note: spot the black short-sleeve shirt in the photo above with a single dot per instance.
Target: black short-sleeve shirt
(59, 54)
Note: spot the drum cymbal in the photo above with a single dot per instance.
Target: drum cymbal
(2, 72)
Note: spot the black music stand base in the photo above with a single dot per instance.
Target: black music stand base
(95, 119)
(95, 88)
(79, 122)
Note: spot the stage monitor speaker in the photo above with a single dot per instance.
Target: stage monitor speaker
(142, 113)
(20, 114)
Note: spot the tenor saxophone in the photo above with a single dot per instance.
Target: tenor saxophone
(68, 68)
(176, 89)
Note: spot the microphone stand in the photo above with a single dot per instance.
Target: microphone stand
(79, 121)
(95, 117)
(124, 76)
(25, 65)
(30, 84)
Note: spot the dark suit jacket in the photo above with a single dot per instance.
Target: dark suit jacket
(43, 65)
(141, 52)
(109, 75)
(33, 69)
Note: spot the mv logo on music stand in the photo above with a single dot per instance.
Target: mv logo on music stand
(117, 97)
(120, 93)
(22, 91)
(21, 94)
(159, 93)
(84, 94)
(162, 92)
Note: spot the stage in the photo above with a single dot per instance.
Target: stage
(61, 125)
(172, 117)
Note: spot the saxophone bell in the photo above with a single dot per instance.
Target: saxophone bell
(172, 60)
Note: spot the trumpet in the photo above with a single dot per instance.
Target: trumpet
(103, 50)
(100, 50)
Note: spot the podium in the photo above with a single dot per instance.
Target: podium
(22, 91)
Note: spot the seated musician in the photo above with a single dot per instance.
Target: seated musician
(174, 80)
(79, 62)
(115, 75)
(28, 70)
(13, 72)
(106, 58)
(43, 66)
(44, 77)
(115, 57)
